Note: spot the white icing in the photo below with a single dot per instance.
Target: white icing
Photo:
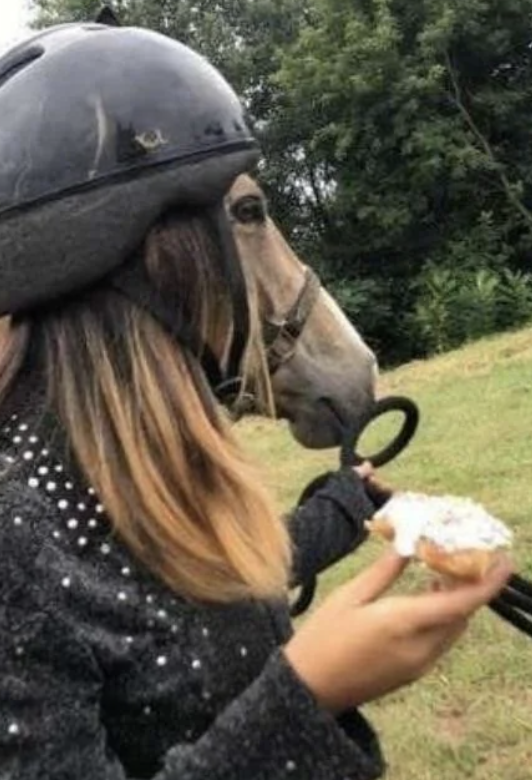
(449, 522)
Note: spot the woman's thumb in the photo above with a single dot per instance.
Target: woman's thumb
(376, 579)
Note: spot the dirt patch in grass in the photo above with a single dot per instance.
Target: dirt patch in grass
(452, 725)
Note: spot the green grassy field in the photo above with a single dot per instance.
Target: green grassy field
(472, 718)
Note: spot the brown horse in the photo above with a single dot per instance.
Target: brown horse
(323, 374)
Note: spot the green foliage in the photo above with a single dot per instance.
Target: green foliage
(57, 11)
(514, 299)
(419, 114)
(476, 305)
(433, 310)
(454, 307)
(484, 245)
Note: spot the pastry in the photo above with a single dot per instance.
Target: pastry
(453, 536)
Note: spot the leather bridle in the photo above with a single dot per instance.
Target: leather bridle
(280, 341)
(280, 338)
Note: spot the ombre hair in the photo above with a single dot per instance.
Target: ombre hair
(146, 430)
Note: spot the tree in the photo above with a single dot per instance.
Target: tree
(417, 115)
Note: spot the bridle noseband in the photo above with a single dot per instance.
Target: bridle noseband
(280, 338)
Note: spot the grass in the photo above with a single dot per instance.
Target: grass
(472, 717)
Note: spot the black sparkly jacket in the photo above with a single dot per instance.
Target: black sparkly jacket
(106, 675)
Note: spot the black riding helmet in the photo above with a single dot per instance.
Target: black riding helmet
(102, 129)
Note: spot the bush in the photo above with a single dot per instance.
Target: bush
(475, 305)
(434, 314)
(514, 299)
(453, 306)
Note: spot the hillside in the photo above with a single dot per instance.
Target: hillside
(473, 717)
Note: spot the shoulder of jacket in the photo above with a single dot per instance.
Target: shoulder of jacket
(26, 515)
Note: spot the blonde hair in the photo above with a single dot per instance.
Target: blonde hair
(147, 432)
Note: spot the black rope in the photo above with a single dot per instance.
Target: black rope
(511, 615)
(515, 599)
(393, 403)
(518, 582)
(514, 604)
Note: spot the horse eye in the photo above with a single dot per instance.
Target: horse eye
(249, 209)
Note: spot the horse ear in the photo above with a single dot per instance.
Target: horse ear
(107, 16)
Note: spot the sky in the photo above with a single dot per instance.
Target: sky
(14, 16)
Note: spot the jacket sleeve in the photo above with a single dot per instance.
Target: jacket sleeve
(329, 522)
(51, 699)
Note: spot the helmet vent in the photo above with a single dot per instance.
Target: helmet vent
(15, 61)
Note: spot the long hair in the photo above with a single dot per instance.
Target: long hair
(146, 430)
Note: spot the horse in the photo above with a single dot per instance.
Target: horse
(323, 374)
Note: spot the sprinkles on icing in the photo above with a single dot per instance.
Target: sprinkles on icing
(451, 523)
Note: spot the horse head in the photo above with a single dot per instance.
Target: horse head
(323, 374)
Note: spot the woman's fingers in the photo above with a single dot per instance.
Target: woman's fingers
(357, 647)
(449, 606)
(377, 492)
(376, 579)
(364, 470)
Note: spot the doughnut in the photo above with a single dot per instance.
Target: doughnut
(453, 536)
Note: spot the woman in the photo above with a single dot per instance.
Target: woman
(144, 630)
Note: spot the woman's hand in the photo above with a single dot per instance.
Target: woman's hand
(359, 646)
(376, 491)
